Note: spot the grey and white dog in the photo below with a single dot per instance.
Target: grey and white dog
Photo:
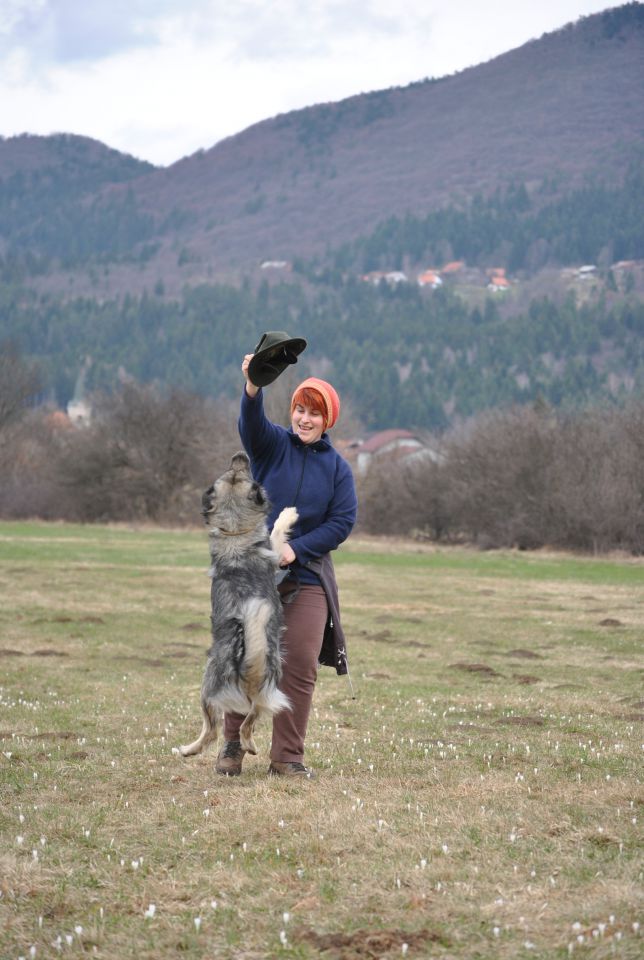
(244, 667)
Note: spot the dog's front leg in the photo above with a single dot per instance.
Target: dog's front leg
(282, 528)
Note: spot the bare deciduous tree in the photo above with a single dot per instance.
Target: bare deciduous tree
(20, 382)
(147, 454)
(597, 481)
(522, 478)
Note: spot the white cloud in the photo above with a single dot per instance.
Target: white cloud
(57, 31)
(161, 78)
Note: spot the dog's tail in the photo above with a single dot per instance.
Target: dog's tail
(261, 693)
(272, 700)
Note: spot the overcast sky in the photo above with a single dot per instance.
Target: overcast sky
(163, 78)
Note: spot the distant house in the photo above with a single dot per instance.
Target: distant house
(498, 284)
(374, 276)
(392, 277)
(58, 420)
(275, 265)
(390, 444)
(454, 266)
(430, 278)
(79, 412)
(587, 271)
(396, 276)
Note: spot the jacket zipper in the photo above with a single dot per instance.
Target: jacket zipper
(299, 485)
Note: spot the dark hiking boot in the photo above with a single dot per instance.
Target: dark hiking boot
(229, 761)
(292, 768)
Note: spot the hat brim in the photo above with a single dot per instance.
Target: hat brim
(268, 364)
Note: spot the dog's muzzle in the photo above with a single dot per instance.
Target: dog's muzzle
(240, 464)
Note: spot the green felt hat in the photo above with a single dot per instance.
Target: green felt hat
(275, 351)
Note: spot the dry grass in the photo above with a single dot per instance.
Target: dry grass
(478, 798)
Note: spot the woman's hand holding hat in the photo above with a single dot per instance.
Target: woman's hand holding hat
(251, 389)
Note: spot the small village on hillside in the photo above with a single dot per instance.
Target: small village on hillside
(623, 275)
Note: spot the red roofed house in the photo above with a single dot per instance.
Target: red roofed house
(430, 278)
(453, 267)
(392, 443)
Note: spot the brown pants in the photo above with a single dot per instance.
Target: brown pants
(305, 618)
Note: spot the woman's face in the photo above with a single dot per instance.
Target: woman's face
(307, 423)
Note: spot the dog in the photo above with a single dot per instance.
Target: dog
(244, 668)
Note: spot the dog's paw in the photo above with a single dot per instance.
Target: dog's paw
(289, 516)
(284, 524)
(248, 744)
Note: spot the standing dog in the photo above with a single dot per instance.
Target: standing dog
(244, 667)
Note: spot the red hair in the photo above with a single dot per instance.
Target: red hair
(318, 395)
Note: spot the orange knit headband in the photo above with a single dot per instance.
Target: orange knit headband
(330, 399)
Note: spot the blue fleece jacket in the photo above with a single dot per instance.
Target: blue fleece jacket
(310, 476)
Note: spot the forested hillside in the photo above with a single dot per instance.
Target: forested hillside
(403, 356)
(519, 229)
(536, 123)
(531, 165)
(51, 214)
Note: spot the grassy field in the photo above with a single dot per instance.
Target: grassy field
(480, 797)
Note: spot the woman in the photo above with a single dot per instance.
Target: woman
(299, 467)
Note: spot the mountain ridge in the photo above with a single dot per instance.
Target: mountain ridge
(559, 107)
(327, 172)
(525, 164)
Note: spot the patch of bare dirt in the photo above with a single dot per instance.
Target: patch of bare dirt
(144, 661)
(368, 944)
(381, 637)
(387, 618)
(610, 622)
(384, 636)
(476, 668)
(526, 678)
(65, 619)
(46, 652)
(524, 654)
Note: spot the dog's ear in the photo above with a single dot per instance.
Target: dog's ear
(256, 495)
(206, 501)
